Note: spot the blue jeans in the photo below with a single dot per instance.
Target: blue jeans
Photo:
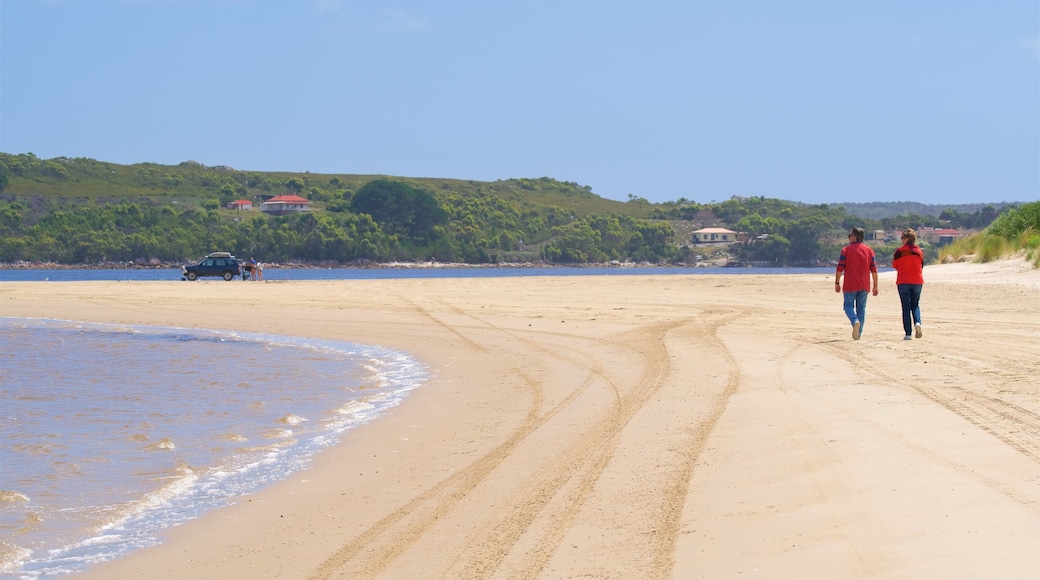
(856, 307)
(910, 297)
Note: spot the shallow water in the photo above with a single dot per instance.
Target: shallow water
(112, 433)
(273, 274)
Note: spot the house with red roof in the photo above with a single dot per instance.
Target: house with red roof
(243, 204)
(939, 237)
(285, 204)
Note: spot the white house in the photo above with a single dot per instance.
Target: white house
(714, 236)
(284, 204)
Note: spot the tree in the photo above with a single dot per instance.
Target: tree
(651, 241)
(950, 215)
(400, 209)
(775, 248)
(804, 236)
(227, 193)
(1013, 222)
(577, 242)
(986, 216)
(295, 185)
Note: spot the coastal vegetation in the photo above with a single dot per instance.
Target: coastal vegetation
(1016, 231)
(83, 211)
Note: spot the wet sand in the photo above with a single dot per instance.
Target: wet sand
(702, 426)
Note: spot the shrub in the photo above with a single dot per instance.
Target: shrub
(1014, 222)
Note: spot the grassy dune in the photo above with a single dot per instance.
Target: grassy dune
(1015, 233)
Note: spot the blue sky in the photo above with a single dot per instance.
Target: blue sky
(818, 102)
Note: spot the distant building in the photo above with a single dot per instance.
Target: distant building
(244, 204)
(714, 236)
(285, 204)
(939, 237)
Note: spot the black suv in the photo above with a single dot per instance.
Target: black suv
(216, 264)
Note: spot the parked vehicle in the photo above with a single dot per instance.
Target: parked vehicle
(221, 264)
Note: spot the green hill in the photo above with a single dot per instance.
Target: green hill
(76, 210)
(193, 183)
(84, 210)
(881, 210)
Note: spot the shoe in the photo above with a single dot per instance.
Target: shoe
(918, 332)
(908, 337)
(855, 330)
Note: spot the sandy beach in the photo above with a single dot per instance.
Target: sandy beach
(700, 426)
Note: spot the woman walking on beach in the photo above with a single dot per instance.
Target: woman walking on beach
(860, 268)
(909, 264)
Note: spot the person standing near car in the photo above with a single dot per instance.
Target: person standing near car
(909, 264)
(859, 266)
(252, 268)
(260, 271)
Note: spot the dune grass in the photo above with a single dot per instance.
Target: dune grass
(983, 247)
(1013, 233)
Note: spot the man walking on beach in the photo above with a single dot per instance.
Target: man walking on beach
(859, 266)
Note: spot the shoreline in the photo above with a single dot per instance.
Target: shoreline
(156, 265)
(644, 426)
(372, 266)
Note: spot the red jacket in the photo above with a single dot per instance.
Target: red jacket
(909, 264)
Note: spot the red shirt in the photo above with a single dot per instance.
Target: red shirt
(909, 264)
(857, 261)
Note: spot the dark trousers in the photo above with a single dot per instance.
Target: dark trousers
(910, 298)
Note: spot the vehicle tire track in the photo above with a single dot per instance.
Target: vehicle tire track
(1014, 425)
(573, 472)
(378, 546)
(581, 465)
(682, 475)
(569, 479)
(1017, 427)
(565, 482)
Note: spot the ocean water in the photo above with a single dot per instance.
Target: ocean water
(275, 274)
(110, 434)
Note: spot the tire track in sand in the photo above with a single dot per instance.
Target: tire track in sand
(695, 443)
(571, 473)
(549, 502)
(574, 471)
(1015, 426)
(564, 482)
(377, 547)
